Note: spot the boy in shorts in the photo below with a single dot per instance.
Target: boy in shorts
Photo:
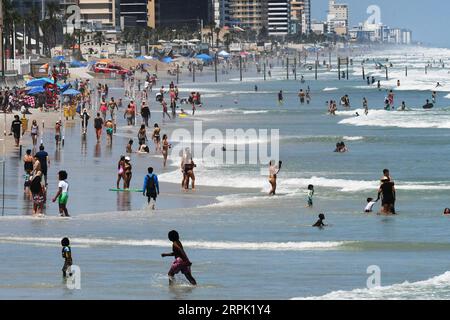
(63, 194)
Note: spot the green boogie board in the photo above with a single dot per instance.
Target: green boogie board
(126, 190)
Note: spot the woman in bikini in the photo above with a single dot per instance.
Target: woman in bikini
(121, 171)
(34, 132)
(156, 136)
(165, 149)
(273, 171)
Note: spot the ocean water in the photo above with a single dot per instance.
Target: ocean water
(244, 244)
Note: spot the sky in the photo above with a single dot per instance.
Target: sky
(429, 20)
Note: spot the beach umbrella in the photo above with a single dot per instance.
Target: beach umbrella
(63, 87)
(71, 92)
(36, 90)
(162, 41)
(59, 58)
(167, 59)
(39, 82)
(203, 57)
(194, 40)
(141, 58)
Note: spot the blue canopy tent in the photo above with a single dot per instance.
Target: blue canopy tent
(77, 64)
(36, 90)
(71, 92)
(59, 58)
(203, 57)
(39, 82)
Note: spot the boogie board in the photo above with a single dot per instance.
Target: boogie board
(126, 190)
(428, 106)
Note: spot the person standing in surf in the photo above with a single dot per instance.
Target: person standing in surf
(120, 171)
(84, 120)
(98, 125)
(34, 132)
(181, 262)
(156, 137)
(365, 106)
(151, 187)
(128, 173)
(273, 172)
(165, 149)
(280, 97)
(387, 194)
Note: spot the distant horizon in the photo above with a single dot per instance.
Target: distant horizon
(407, 14)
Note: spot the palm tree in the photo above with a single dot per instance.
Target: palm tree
(51, 25)
(9, 18)
(99, 39)
(228, 39)
(34, 21)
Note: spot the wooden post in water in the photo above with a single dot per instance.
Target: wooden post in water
(295, 68)
(363, 73)
(339, 68)
(240, 68)
(178, 73)
(193, 72)
(387, 74)
(287, 68)
(215, 66)
(264, 71)
(329, 58)
(406, 71)
(317, 62)
(347, 68)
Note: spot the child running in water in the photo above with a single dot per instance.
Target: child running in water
(181, 262)
(67, 256)
(310, 196)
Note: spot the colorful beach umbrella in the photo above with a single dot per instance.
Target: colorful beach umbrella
(71, 92)
(39, 82)
(36, 90)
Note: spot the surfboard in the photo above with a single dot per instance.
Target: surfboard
(126, 190)
(428, 106)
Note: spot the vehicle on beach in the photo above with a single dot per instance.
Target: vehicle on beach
(101, 67)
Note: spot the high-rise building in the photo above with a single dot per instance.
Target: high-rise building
(337, 18)
(296, 12)
(134, 12)
(300, 15)
(104, 13)
(248, 14)
(306, 17)
(176, 13)
(278, 17)
(221, 12)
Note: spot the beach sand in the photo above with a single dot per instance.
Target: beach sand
(46, 119)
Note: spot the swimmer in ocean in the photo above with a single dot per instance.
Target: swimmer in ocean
(319, 223)
(280, 97)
